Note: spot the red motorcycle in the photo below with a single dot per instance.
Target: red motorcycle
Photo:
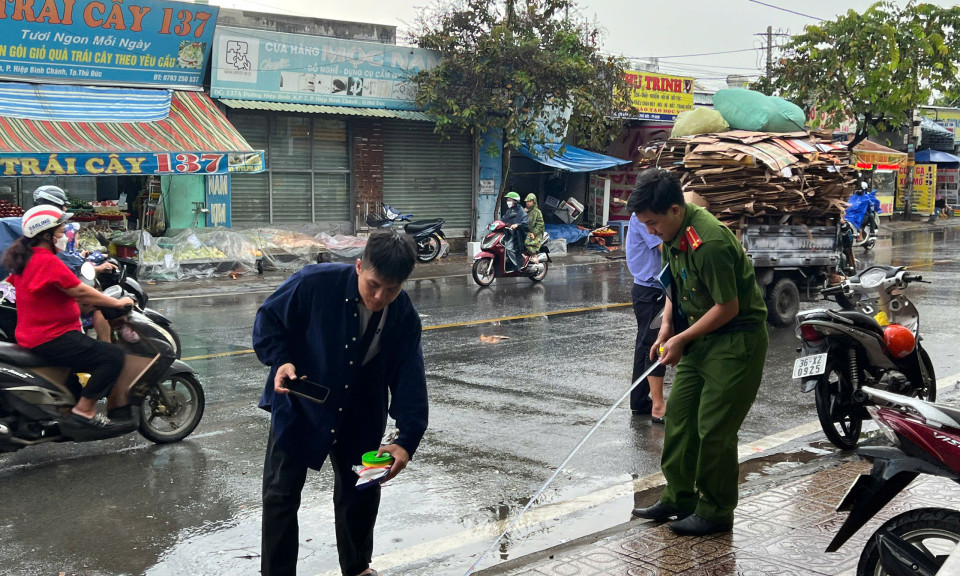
(927, 439)
(491, 262)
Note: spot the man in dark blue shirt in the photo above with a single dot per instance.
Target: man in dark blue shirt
(353, 330)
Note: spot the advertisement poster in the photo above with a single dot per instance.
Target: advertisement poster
(924, 188)
(659, 97)
(294, 68)
(127, 164)
(140, 43)
(948, 118)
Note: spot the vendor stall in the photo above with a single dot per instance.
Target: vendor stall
(879, 166)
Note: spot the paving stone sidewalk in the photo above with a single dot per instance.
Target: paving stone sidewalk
(783, 530)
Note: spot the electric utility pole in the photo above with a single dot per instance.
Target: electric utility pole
(769, 53)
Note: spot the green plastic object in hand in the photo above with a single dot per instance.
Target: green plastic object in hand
(371, 459)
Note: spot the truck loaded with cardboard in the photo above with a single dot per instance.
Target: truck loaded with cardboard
(781, 193)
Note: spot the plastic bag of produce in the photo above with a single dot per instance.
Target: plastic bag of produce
(699, 121)
(750, 110)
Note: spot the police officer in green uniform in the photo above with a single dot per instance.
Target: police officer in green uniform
(714, 332)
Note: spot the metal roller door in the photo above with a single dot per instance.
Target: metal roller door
(428, 178)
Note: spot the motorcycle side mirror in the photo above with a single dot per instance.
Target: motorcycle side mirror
(88, 274)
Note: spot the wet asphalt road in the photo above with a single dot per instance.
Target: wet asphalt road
(502, 415)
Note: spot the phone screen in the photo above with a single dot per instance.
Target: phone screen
(307, 389)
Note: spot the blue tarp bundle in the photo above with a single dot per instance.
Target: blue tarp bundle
(10, 230)
(573, 159)
(570, 232)
(858, 207)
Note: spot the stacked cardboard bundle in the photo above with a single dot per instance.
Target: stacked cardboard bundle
(795, 178)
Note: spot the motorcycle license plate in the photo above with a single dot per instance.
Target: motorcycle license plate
(810, 366)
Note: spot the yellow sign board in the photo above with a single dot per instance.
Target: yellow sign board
(658, 96)
(924, 188)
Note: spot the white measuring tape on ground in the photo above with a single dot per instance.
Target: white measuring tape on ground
(559, 468)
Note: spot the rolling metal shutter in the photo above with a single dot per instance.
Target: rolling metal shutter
(428, 178)
(250, 193)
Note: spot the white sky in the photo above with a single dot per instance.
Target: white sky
(634, 28)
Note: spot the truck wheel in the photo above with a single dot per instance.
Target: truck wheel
(783, 302)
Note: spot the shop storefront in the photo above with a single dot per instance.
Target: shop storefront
(879, 167)
(101, 98)
(341, 132)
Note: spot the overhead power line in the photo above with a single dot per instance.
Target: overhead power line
(704, 54)
(786, 10)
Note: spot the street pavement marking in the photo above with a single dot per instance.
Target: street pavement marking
(538, 518)
(451, 325)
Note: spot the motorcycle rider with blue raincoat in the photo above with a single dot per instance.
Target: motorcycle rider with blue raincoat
(515, 217)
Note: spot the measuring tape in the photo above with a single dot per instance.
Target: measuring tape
(565, 462)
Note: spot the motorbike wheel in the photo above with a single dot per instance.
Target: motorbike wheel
(483, 272)
(841, 423)
(934, 532)
(163, 423)
(540, 275)
(929, 375)
(428, 248)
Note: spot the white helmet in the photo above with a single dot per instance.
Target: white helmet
(50, 195)
(40, 218)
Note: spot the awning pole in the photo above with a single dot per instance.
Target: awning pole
(606, 202)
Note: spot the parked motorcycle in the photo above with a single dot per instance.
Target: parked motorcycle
(926, 437)
(491, 262)
(431, 241)
(874, 340)
(157, 394)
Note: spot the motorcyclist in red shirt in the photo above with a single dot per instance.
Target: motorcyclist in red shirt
(48, 312)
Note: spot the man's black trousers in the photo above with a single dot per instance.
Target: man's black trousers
(647, 303)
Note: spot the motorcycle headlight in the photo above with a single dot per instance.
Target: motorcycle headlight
(489, 241)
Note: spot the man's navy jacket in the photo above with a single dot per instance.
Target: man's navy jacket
(312, 322)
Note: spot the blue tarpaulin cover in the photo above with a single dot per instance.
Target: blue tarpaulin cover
(924, 156)
(573, 159)
(570, 232)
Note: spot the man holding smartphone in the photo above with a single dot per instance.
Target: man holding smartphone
(353, 335)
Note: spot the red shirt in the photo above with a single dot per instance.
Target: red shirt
(44, 311)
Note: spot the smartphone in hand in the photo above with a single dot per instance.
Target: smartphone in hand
(307, 389)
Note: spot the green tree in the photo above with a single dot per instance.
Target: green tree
(873, 67)
(528, 69)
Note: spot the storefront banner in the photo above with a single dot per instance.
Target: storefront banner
(218, 200)
(294, 68)
(659, 97)
(949, 119)
(143, 42)
(924, 188)
(93, 164)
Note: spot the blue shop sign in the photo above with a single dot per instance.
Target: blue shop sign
(218, 200)
(129, 163)
(140, 43)
(294, 68)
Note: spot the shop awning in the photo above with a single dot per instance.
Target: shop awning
(573, 159)
(193, 138)
(869, 155)
(936, 156)
(320, 109)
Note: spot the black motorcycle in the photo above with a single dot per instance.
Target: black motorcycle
(431, 241)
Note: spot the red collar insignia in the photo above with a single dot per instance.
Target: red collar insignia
(694, 239)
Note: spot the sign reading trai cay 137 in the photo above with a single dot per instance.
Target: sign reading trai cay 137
(137, 42)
